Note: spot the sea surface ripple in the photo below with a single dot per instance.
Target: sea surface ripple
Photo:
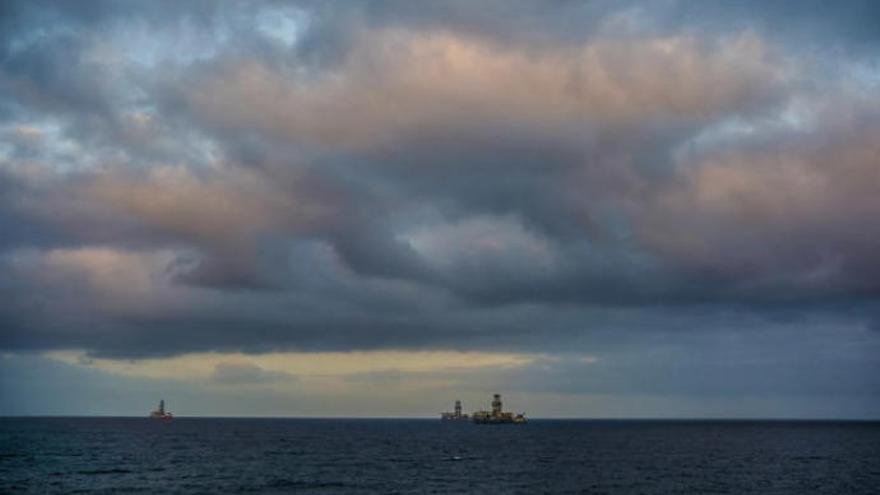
(351, 456)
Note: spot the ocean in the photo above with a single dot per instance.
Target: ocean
(351, 456)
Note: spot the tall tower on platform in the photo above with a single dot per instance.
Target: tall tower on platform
(496, 405)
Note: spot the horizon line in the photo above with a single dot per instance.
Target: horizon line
(430, 418)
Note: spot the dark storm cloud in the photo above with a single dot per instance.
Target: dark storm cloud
(320, 175)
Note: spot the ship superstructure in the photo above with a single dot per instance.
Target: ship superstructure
(161, 413)
(456, 415)
(497, 415)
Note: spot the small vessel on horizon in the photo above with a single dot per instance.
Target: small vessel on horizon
(161, 413)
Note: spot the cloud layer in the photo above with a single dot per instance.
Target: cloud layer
(314, 176)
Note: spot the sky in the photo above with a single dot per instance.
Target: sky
(614, 209)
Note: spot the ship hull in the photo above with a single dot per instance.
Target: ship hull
(499, 421)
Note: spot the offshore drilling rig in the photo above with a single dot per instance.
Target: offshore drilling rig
(161, 413)
(456, 415)
(497, 416)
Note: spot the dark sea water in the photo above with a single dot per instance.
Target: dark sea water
(130, 455)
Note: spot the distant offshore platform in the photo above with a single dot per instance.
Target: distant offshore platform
(494, 417)
(161, 413)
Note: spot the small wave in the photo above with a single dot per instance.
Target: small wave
(93, 472)
(808, 458)
(288, 483)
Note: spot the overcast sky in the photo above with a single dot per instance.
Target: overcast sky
(598, 209)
